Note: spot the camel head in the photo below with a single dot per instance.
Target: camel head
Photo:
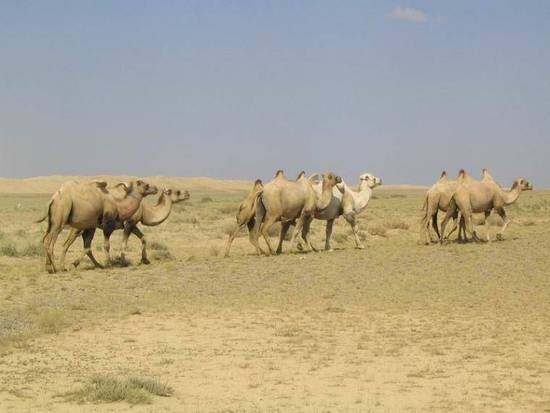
(329, 178)
(522, 184)
(140, 187)
(371, 180)
(176, 195)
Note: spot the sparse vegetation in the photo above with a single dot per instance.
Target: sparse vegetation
(335, 317)
(107, 389)
(8, 249)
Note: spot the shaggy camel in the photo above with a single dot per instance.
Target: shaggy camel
(290, 201)
(85, 207)
(346, 202)
(483, 197)
(245, 214)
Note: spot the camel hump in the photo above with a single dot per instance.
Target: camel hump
(100, 184)
(462, 174)
(316, 178)
(258, 184)
(486, 174)
(443, 174)
(279, 173)
(301, 175)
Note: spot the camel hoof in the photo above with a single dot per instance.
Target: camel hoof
(360, 247)
(145, 261)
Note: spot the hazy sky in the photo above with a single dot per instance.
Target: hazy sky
(238, 89)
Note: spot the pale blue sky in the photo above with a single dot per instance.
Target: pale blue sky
(239, 89)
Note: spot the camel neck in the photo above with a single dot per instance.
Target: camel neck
(512, 195)
(157, 214)
(128, 206)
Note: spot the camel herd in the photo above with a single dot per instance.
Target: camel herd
(86, 207)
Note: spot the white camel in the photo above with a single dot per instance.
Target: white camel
(346, 202)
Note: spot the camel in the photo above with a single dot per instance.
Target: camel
(483, 197)
(245, 214)
(151, 216)
(147, 215)
(346, 202)
(85, 207)
(285, 201)
(438, 199)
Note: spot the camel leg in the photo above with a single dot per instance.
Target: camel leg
(507, 221)
(305, 232)
(469, 225)
(450, 213)
(487, 228)
(137, 232)
(232, 236)
(297, 230)
(434, 225)
(350, 218)
(255, 226)
(129, 228)
(71, 238)
(264, 230)
(49, 244)
(284, 230)
(107, 248)
(328, 234)
(87, 238)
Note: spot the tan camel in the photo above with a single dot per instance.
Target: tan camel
(85, 207)
(151, 216)
(245, 214)
(345, 202)
(483, 197)
(290, 201)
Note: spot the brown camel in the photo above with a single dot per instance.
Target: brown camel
(85, 207)
(290, 201)
(483, 197)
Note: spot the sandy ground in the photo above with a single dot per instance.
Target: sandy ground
(397, 327)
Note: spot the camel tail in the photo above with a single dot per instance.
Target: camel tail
(47, 216)
(259, 206)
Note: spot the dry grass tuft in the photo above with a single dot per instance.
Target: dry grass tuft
(214, 250)
(8, 250)
(378, 230)
(396, 224)
(107, 389)
(51, 321)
